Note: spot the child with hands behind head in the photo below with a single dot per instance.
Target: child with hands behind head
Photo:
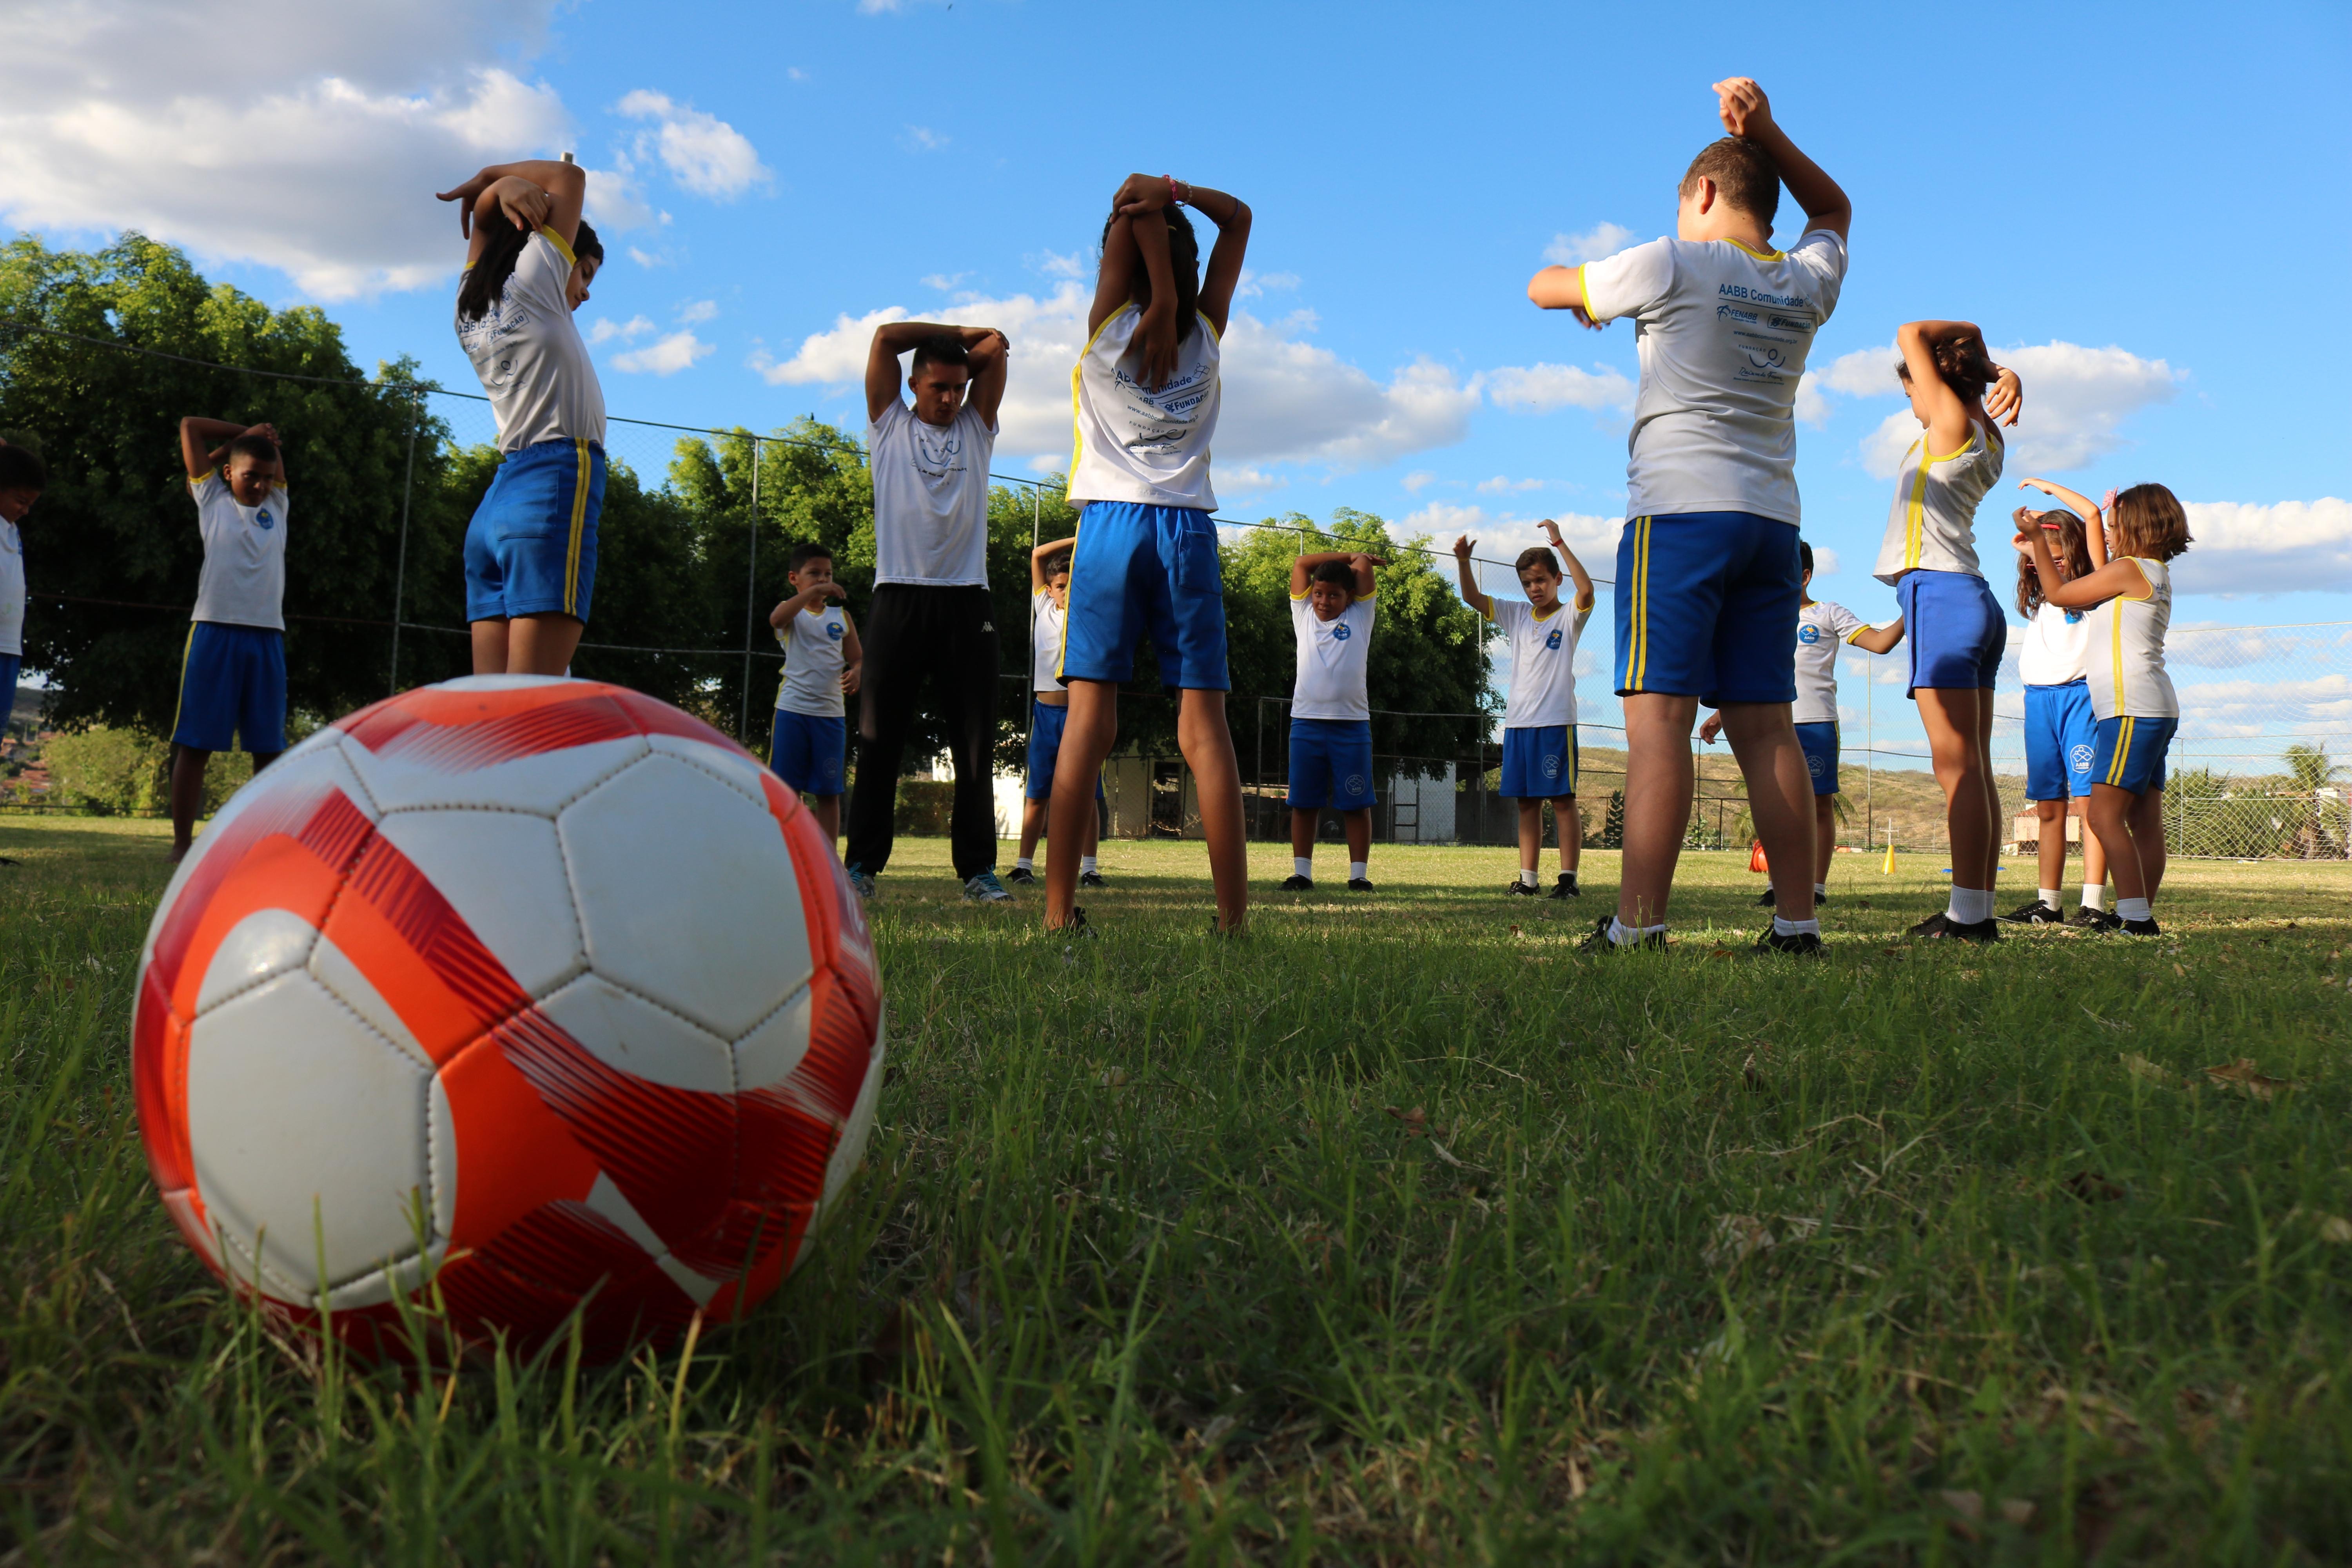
(822, 665)
(2061, 729)
(1331, 613)
(2130, 605)
(1539, 722)
(1049, 712)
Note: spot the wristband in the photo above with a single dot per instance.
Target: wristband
(1173, 186)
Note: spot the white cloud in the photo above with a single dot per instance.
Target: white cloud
(701, 151)
(700, 310)
(1500, 486)
(606, 330)
(1602, 240)
(2285, 547)
(645, 257)
(1825, 560)
(2076, 400)
(1239, 482)
(1812, 408)
(663, 356)
(943, 281)
(794, 73)
(1864, 372)
(1540, 388)
(1417, 480)
(1254, 284)
(1498, 541)
(1058, 266)
(833, 358)
(1882, 450)
(124, 115)
(923, 139)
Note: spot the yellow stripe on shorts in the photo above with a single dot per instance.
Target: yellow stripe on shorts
(579, 521)
(186, 650)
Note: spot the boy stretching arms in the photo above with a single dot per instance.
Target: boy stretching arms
(1708, 579)
(1331, 613)
(22, 480)
(1823, 629)
(822, 663)
(1540, 724)
(233, 677)
(1049, 712)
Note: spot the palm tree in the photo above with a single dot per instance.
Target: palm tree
(2312, 771)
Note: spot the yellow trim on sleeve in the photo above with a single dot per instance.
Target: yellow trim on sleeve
(1297, 598)
(2145, 582)
(1488, 613)
(1584, 293)
(1857, 631)
(1216, 336)
(562, 250)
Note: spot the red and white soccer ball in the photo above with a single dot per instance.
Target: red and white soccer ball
(540, 987)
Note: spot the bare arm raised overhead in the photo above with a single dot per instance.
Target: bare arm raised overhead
(986, 348)
(537, 193)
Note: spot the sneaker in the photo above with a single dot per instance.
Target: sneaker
(1519, 890)
(1941, 927)
(2096, 919)
(2136, 928)
(1599, 941)
(1295, 883)
(1022, 875)
(1359, 884)
(1764, 899)
(985, 889)
(1092, 879)
(863, 880)
(1801, 944)
(1566, 886)
(2036, 913)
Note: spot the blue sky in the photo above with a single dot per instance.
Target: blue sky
(2127, 195)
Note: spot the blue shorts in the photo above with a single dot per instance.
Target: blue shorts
(1818, 741)
(806, 749)
(12, 665)
(2062, 737)
(2130, 753)
(232, 688)
(1707, 606)
(1137, 569)
(1331, 765)
(1047, 723)
(532, 547)
(1539, 763)
(1954, 628)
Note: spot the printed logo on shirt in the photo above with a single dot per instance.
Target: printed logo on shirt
(1809, 636)
(938, 454)
(833, 629)
(2073, 617)
(1342, 632)
(261, 520)
(1552, 641)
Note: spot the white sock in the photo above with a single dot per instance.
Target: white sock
(1087, 863)
(1795, 927)
(1360, 870)
(1820, 889)
(1303, 865)
(2053, 897)
(2133, 909)
(1026, 863)
(1526, 878)
(1969, 905)
(1568, 872)
(2094, 897)
(1620, 934)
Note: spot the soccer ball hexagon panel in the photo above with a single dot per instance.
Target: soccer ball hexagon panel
(540, 987)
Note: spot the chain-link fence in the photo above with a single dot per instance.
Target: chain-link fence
(2266, 710)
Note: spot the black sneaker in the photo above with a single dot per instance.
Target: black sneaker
(1295, 883)
(1599, 941)
(1519, 890)
(1799, 944)
(2093, 920)
(2136, 928)
(1764, 899)
(1092, 879)
(1020, 874)
(1566, 886)
(2036, 913)
(1941, 927)
(1359, 884)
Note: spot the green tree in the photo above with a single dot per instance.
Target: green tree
(116, 523)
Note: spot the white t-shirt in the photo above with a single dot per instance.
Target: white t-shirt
(813, 649)
(1543, 662)
(930, 498)
(11, 598)
(531, 356)
(2126, 675)
(1823, 629)
(1722, 332)
(1138, 444)
(1932, 524)
(1045, 622)
(2057, 647)
(244, 580)
(1333, 661)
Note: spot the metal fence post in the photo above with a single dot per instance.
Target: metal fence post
(751, 596)
(400, 571)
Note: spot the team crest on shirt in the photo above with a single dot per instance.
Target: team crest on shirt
(833, 629)
(1809, 636)
(262, 519)
(1552, 641)
(1342, 632)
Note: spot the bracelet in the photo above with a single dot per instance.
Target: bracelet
(1173, 186)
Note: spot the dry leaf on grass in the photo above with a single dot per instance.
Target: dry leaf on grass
(1113, 1078)
(2243, 1076)
(2092, 1187)
(2335, 1227)
(2141, 1066)
(1737, 1238)
(1971, 1507)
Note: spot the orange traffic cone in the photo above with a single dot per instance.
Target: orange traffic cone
(1755, 857)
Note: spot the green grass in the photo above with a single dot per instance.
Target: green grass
(1394, 1233)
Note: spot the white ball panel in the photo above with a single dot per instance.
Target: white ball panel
(377, 1285)
(632, 1035)
(302, 1119)
(264, 943)
(542, 782)
(503, 872)
(687, 894)
(742, 772)
(441, 1156)
(851, 1149)
(767, 1056)
(332, 968)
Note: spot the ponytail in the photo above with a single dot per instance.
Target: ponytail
(485, 282)
(1965, 365)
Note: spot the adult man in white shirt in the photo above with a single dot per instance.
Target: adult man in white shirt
(931, 619)
(22, 480)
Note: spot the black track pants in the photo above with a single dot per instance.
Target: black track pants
(945, 637)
